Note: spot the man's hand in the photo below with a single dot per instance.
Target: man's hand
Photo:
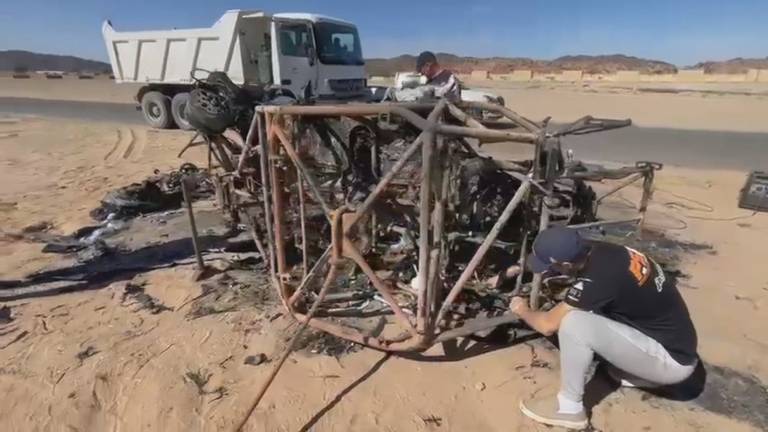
(518, 305)
(507, 274)
(546, 323)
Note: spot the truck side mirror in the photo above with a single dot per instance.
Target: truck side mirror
(311, 55)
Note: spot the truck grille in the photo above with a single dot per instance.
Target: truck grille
(347, 85)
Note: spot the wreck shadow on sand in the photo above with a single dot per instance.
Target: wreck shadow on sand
(461, 349)
(711, 388)
(454, 350)
(344, 392)
(105, 269)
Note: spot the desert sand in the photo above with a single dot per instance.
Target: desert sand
(87, 362)
(564, 102)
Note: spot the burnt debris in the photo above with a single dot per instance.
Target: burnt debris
(159, 192)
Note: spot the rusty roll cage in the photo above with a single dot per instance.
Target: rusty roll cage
(425, 328)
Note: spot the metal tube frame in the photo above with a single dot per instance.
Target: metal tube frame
(420, 331)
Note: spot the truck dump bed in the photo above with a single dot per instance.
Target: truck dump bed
(168, 56)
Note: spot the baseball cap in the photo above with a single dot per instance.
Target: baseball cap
(424, 58)
(556, 244)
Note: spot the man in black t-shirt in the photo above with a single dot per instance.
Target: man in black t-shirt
(444, 81)
(620, 307)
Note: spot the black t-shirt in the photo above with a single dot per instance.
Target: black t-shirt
(625, 285)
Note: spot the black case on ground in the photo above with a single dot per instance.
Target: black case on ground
(754, 194)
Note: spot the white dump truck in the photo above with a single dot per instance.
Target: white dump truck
(303, 54)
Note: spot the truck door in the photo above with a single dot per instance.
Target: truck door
(294, 56)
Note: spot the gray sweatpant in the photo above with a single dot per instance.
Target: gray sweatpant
(582, 334)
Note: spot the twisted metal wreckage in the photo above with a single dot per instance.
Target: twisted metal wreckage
(381, 220)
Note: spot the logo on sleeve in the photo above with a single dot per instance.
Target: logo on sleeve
(639, 266)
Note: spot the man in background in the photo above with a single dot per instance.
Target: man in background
(444, 81)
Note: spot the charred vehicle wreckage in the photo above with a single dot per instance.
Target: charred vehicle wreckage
(382, 223)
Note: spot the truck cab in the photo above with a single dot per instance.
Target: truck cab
(320, 53)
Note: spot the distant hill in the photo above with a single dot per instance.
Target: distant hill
(589, 64)
(736, 65)
(611, 63)
(14, 59)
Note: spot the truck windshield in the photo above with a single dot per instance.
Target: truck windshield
(338, 44)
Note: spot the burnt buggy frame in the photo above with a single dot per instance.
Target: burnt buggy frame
(266, 171)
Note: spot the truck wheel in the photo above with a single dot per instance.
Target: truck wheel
(157, 110)
(178, 109)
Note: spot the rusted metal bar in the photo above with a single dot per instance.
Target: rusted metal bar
(277, 203)
(248, 144)
(210, 152)
(257, 239)
(310, 179)
(647, 194)
(605, 222)
(538, 277)
(302, 216)
(327, 284)
(351, 252)
(510, 166)
(488, 134)
(464, 117)
(424, 240)
(264, 163)
(521, 262)
(234, 137)
(405, 111)
(547, 177)
(404, 342)
(520, 194)
(425, 215)
(434, 282)
(376, 174)
(620, 186)
(221, 154)
(192, 225)
(506, 112)
(310, 276)
(480, 324)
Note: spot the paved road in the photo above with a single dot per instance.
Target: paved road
(690, 148)
(96, 111)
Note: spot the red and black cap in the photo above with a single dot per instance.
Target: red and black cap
(558, 244)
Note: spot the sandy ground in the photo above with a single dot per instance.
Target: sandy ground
(69, 88)
(676, 111)
(564, 102)
(137, 378)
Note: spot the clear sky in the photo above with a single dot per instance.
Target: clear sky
(679, 31)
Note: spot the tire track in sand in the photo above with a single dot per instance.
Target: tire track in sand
(127, 146)
(140, 145)
(115, 146)
(131, 139)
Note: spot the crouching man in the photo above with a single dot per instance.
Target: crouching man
(620, 307)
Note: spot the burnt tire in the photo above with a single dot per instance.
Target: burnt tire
(157, 110)
(209, 112)
(179, 110)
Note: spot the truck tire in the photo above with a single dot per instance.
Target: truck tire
(178, 110)
(157, 110)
